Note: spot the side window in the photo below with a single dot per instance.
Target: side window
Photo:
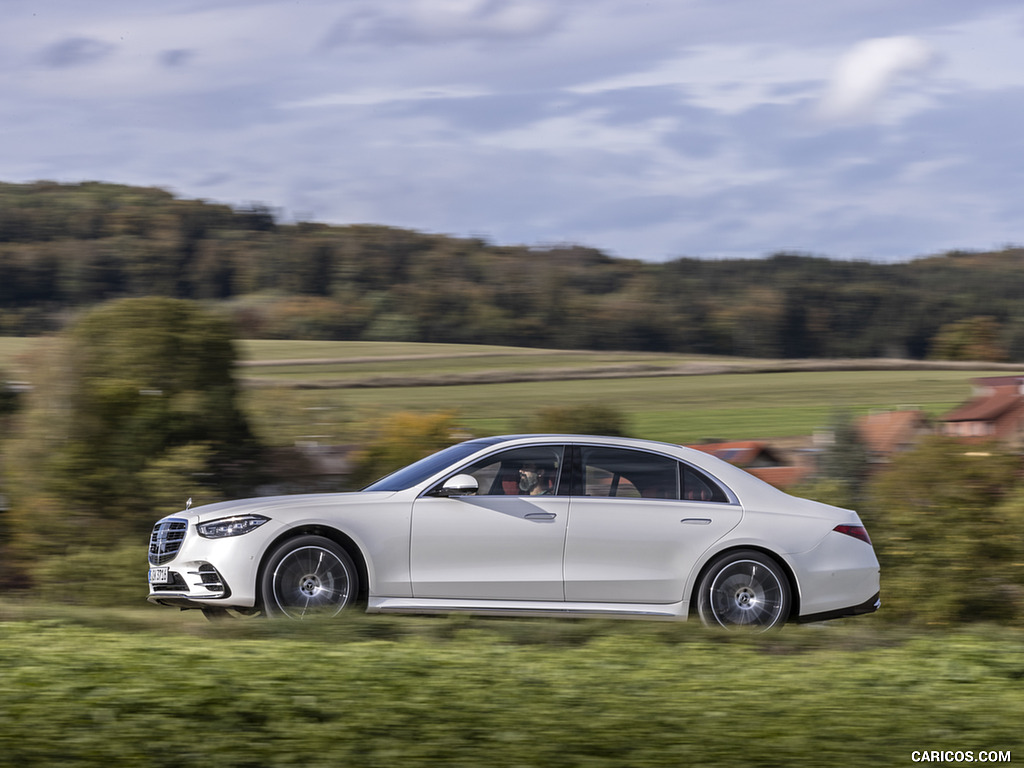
(628, 474)
(531, 471)
(699, 487)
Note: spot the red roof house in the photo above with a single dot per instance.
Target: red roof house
(759, 459)
(995, 412)
(886, 433)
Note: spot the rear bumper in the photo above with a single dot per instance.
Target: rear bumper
(868, 606)
(838, 577)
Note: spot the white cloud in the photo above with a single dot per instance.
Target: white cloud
(431, 21)
(372, 96)
(588, 131)
(446, 18)
(727, 78)
(869, 71)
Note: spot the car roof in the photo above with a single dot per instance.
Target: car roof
(552, 437)
(737, 480)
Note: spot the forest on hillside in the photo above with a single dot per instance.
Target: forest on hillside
(66, 247)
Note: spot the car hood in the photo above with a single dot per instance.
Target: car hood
(274, 506)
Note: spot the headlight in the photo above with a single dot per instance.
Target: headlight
(230, 526)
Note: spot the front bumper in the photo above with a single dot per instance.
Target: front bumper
(207, 572)
(196, 581)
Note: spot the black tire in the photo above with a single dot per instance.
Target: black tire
(308, 577)
(744, 589)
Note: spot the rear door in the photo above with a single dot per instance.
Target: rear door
(631, 538)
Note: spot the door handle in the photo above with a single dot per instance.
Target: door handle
(540, 515)
(696, 521)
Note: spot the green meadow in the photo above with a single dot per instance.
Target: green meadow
(664, 397)
(128, 689)
(324, 390)
(687, 408)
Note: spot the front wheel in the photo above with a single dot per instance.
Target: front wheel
(744, 589)
(308, 577)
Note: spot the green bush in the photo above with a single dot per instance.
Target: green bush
(945, 520)
(114, 576)
(584, 419)
(400, 439)
(71, 695)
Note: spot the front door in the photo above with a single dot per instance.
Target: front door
(503, 543)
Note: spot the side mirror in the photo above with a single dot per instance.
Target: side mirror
(460, 485)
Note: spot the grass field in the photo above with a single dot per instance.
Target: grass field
(688, 408)
(674, 408)
(313, 390)
(157, 688)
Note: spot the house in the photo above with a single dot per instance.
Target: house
(887, 433)
(995, 412)
(759, 459)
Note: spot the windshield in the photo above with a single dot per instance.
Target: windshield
(419, 471)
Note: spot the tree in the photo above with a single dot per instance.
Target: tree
(844, 462)
(973, 338)
(135, 392)
(9, 399)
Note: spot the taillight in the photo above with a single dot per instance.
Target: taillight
(857, 531)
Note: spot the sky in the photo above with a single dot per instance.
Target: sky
(879, 130)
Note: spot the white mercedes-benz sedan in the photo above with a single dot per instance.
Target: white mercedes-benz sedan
(564, 525)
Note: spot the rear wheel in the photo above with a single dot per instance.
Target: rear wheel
(308, 577)
(745, 589)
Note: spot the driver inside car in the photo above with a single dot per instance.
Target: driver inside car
(535, 479)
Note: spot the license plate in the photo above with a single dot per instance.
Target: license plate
(159, 575)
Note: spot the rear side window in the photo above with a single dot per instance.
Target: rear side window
(699, 487)
(622, 473)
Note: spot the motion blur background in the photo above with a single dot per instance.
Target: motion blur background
(264, 247)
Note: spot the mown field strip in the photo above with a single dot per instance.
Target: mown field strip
(685, 408)
(671, 408)
(318, 389)
(665, 397)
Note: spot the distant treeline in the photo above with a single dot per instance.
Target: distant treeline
(66, 247)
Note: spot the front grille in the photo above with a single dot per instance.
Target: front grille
(166, 540)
